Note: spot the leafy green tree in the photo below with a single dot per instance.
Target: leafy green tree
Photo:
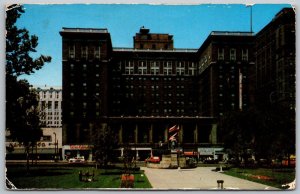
(22, 116)
(269, 132)
(19, 46)
(105, 141)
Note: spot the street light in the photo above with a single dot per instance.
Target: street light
(54, 145)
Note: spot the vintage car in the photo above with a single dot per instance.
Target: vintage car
(79, 159)
(153, 159)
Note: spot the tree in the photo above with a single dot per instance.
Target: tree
(105, 141)
(22, 116)
(19, 46)
(268, 131)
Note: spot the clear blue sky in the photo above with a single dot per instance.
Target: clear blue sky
(189, 24)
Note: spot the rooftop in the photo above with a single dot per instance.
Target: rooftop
(85, 30)
(181, 50)
(230, 33)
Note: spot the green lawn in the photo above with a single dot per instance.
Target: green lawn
(68, 178)
(272, 177)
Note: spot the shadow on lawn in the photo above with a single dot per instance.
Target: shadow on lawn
(39, 172)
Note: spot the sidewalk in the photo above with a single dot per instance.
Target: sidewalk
(201, 178)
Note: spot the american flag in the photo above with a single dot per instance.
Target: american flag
(173, 137)
(174, 128)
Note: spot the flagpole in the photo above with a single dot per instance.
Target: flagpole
(250, 5)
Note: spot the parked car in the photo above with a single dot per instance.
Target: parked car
(79, 159)
(154, 159)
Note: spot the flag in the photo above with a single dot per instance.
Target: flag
(173, 138)
(174, 128)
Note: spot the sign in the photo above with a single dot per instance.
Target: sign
(79, 147)
(209, 151)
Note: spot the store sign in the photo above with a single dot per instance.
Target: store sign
(80, 147)
(209, 151)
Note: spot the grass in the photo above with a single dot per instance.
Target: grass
(68, 178)
(271, 177)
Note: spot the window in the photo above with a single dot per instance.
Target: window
(244, 54)
(154, 68)
(142, 68)
(72, 51)
(180, 68)
(84, 52)
(129, 68)
(49, 105)
(43, 104)
(168, 68)
(97, 52)
(56, 105)
(84, 105)
(232, 54)
(84, 66)
(192, 68)
(220, 53)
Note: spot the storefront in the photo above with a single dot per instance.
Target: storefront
(70, 151)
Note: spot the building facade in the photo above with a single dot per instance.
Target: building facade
(225, 63)
(143, 91)
(50, 99)
(139, 93)
(275, 62)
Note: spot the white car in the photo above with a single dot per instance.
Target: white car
(79, 159)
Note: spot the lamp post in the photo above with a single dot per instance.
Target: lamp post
(54, 145)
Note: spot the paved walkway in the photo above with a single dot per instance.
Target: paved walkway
(200, 178)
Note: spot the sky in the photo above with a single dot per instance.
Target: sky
(189, 24)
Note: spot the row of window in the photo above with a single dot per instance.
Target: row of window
(50, 118)
(51, 123)
(153, 78)
(50, 104)
(232, 54)
(156, 87)
(157, 111)
(84, 114)
(50, 95)
(84, 94)
(155, 68)
(84, 52)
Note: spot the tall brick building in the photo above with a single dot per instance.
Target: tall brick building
(275, 64)
(141, 92)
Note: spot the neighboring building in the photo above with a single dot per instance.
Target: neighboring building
(50, 144)
(47, 148)
(86, 57)
(145, 40)
(275, 65)
(50, 99)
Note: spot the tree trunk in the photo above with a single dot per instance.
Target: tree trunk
(27, 158)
